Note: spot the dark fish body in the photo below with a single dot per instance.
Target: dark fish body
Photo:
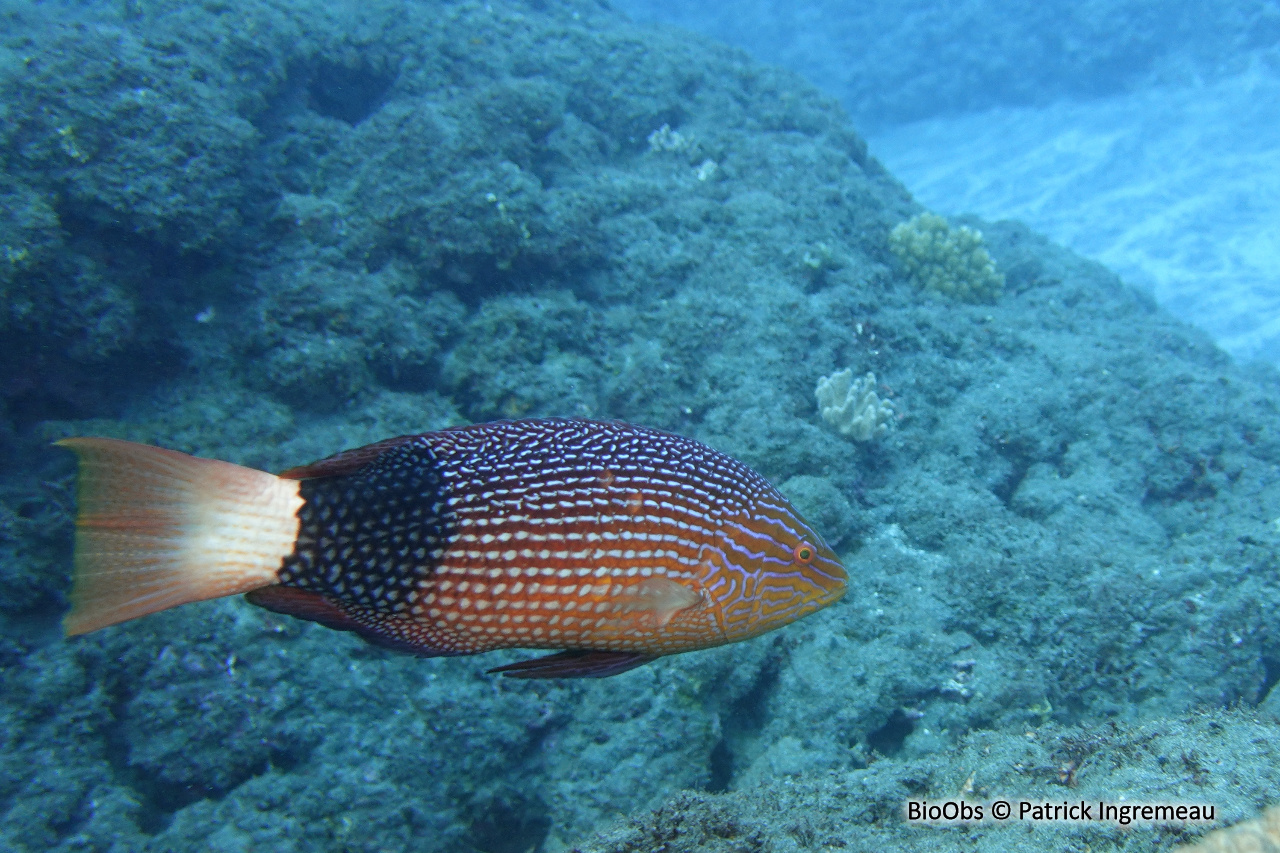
(613, 543)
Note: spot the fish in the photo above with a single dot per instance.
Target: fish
(608, 543)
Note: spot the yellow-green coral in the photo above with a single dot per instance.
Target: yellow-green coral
(949, 260)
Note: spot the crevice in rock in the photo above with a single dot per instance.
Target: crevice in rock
(889, 738)
(350, 93)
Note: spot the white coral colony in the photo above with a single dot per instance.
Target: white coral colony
(852, 406)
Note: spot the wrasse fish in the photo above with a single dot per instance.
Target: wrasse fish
(611, 543)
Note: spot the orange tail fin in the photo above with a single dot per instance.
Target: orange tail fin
(157, 528)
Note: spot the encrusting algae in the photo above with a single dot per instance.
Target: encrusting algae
(613, 544)
(1259, 835)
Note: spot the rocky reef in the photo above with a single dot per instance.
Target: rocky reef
(268, 231)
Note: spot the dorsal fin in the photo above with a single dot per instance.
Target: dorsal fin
(346, 462)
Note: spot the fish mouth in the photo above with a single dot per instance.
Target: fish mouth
(827, 574)
(836, 579)
(831, 581)
(826, 581)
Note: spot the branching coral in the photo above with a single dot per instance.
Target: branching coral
(852, 405)
(949, 260)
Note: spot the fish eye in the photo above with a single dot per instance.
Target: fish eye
(803, 553)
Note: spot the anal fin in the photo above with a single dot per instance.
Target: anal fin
(304, 604)
(575, 664)
(388, 631)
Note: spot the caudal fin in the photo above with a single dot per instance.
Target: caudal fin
(157, 528)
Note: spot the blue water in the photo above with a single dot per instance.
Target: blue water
(270, 230)
(1142, 135)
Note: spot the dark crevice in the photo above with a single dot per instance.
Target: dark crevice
(746, 717)
(476, 278)
(109, 330)
(721, 774)
(157, 802)
(43, 384)
(350, 93)
(508, 821)
(159, 799)
(1020, 458)
(1005, 488)
(889, 738)
(1270, 675)
(1194, 484)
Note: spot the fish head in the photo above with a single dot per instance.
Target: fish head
(775, 569)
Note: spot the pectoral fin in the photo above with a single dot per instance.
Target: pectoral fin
(657, 600)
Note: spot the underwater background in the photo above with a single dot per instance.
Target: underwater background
(268, 230)
(1142, 134)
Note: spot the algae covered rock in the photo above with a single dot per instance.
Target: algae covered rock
(409, 216)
